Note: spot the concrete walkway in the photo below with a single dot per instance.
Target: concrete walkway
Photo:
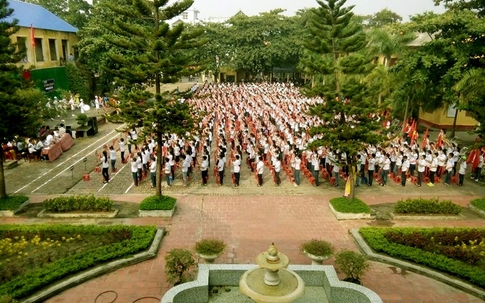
(247, 218)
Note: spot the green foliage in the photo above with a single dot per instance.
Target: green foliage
(355, 206)
(352, 264)
(210, 246)
(74, 12)
(82, 119)
(12, 202)
(479, 203)
(158, 203)
(77, 82)
(383, 18)
(179, 264)
(53, 252)
(376, 239)
(18, 112)
(78, 203)
(426, 206)
(320, 248)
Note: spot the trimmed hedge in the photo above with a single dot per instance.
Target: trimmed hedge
(78, 203)
(344, 205)
(12, 202)
(158, 203)
(431, 206)
(29, 283)
(479, 203)
(376, 239)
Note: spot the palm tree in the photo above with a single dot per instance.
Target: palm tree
(384, 42)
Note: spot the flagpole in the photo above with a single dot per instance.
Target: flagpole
(32, 43)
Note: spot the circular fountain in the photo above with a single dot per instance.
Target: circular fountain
(272, 282)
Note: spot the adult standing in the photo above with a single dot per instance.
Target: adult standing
(168, 175)
(185, 168)
(220, 169)
(421, 168)
(433, 167)
(277, 169)
(105, 166)
(404, 170)
(370, 169)
(121, 145)
(449, 169)
(204, 166)
(462, 171)
(386, 166)
(296, 164)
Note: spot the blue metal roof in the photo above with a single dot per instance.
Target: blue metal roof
(38, 16)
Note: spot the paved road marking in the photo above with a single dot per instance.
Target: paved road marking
(65, 161)
(113, 176)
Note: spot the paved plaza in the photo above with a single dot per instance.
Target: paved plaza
(247, 218)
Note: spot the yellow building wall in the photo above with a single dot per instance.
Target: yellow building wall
(441, 118)
(63, 46)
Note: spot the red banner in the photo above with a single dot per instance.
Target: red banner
(32, 38)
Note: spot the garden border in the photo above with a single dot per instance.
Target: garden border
(477, 210)
(11, 213)
(395, 216)
(97, 271)
(350, 216)
(105, 214)
(454, 282)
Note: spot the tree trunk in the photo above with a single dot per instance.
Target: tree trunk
(453, 129)
(159, 164)
(352, 176)
(406, 112)
(3, 188)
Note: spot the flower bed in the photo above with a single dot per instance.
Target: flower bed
(36, 255)
(457, 251)
(355, 206)
(78, 203)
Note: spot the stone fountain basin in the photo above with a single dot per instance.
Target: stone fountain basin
(315, 277)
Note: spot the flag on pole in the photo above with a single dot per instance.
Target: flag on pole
(32, 38)
(423, 145)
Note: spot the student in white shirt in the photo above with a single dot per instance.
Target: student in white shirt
(112, 157)
(236, 164)
(105, 165)
(296, 165)
(153, 172)
(220, 169)
(404, 170)
(185, 168)
(260, 170)
(204, 166)
(462, 171)
(134, 170)
(121, 145)
(168, 171)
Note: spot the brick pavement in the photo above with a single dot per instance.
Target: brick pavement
(248, 218)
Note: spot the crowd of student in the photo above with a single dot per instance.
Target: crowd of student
(266, 126)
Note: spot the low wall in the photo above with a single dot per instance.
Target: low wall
(229, 275)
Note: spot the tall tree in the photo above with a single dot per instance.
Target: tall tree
(338, 49)
(18, 116)
(146, 49)
(383, 18)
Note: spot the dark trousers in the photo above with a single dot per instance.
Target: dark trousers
(277, 177)
(431, 176)
(412, 168)
(420, 177)
(204, 176)
(403, 178)
(113, 165)
(221, 176)
(370, 174)
(122, 157)
(153, 177)
(460, 178)
(135, 178)
(260, 179)
(237, 176)
(105, 174)
(140, 174)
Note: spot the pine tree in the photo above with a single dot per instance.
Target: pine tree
(18, 116)
(146, 49)
(338, 50)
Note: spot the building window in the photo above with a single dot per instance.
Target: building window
(53, 49)
(185, 15)
(22, 48)
(451, 112)
(39, 50)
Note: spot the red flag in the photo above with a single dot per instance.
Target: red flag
(423, 145)
(32, 38)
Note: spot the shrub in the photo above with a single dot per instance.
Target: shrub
(82, 119)
(179, 263)
(210, 246)
(12, 202)
(479, 203)
(78, 203)
(376, 239)
(352, 264)
(316, 247)
(427, 206)
(83, 246)
(158, 203)
(355, 206)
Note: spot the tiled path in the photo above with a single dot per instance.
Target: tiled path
(247, 218)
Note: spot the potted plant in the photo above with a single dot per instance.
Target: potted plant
(82, 119)
(209, 249)
(352, 264)
(179, 263)
(317, 250)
